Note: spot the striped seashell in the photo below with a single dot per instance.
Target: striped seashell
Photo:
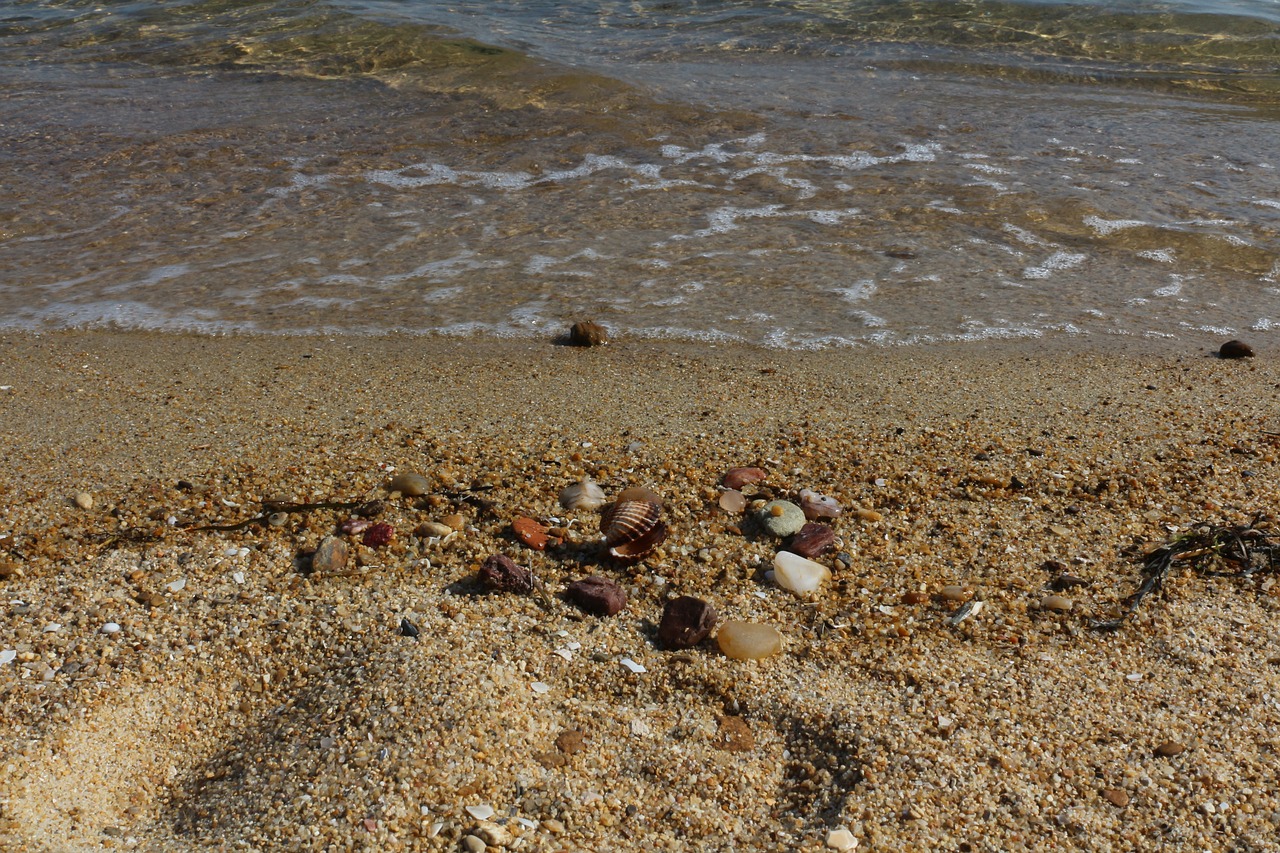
(632, 529)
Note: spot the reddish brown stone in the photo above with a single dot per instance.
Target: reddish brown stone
(1235, 349)
(735, 735)
(500, 573)
(588, 334)
(736, 478)
(915, 598)
(1170, 748)
(570, 741)
(686, 621)
(597, 595)
(377, 535)
(1118, 797)
(812, 541)
(530, 532)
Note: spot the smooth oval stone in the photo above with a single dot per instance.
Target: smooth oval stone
(736, 478)
(330, 556)
(795, 573)
(1235, 349)
(733, 501)
(84, 500)
(410, 484)
(597, 595)
(781, 518)
(1056, 602)
(748, 640)
(954, 592)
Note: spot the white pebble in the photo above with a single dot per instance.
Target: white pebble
(526, 823)
(238, 577)
(111, 628)
(176, 586)
(1133, 676)
(481, 812)
(632, 665)
(7, 655)
(52, 626)
(539, 687)
(640, 728)
(231, 552)
(841, 840)
(564, 653)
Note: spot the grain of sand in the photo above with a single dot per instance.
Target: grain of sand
(246, 703)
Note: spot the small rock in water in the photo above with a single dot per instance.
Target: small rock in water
(686, 621)
(597, 595)
(813, 540)
(500, 573)
(331, 555)
(798, 575)
(585, 333)
(84, 500)
(733, 501)
(736, 478)
(1235, 349)
(410, 484)
(781, 518)
(748, 640)
(815, 506)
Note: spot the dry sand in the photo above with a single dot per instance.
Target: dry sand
(248, 704)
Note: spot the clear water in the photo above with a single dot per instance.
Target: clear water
(796, 174)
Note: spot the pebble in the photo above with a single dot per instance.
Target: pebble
(735, 735)
(954, 592)
(455, 521)
(7, 656)
(915, 597)
(841, 840)
(597, 595)
(278, 519)
(432, 529)
(733, 501)
(868, 514)
(378, 535)
(409, 483)
(501, 574)
(331, 555)
(781, 518)
(736, 478)
(686, 621)
(1170, 748)
(585, 333)
(636, 668)
(748, 640)
(1059, 603)
(84, 500)
(110, 628)
(530, 532)
(797, 574)
(582, 495)
(480, 812)
(815, 506)
(1235, 349)
(813, 540)
(473, 844)
(1118, 797)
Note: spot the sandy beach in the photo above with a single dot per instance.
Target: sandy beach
(172, 688)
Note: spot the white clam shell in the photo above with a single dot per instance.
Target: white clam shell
(798, 575)
(584, 495)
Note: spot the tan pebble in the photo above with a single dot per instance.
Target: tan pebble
(1118, 797)
(473, 844)
(84, 500)
(748, 640)
(428, 529)
(409, 484)
(493, 835)
(553, 826)
(1170, 748)
(868, 514)
(456, 521)
(954, 592)
(1059, 603)
(841, 840)
(733, 501)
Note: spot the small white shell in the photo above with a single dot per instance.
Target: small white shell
(584, 495)
(818, 506)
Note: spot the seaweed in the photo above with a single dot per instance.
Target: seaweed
(1209, 549)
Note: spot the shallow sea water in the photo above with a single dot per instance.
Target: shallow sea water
(786, 174)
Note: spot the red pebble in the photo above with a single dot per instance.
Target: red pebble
(530, 532)
(378, 535)
(597, 595)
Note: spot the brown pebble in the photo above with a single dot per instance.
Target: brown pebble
(455, 521)
(735, 735)
(736, 478)
(954, 592)
(570, 741)
(530, 532)
(1065, 581)
(330, 556)
(550, 760)
(1235, 349)
(588, 334)
(1118, 797)
(915, 598)
(500, 573)
(812, 541)
(868, 514)
(686, 621)
(597, 595)
(1170, 748)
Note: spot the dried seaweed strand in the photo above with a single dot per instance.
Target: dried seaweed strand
(270, 508)
(1244, 550)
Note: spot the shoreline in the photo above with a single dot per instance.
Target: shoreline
(268, 706)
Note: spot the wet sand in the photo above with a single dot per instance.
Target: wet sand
(248, 703)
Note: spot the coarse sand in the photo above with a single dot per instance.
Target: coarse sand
(165, 687)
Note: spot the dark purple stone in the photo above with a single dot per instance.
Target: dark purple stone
(597, 595)
(686, 621)
(812, 541)
(500, 573)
